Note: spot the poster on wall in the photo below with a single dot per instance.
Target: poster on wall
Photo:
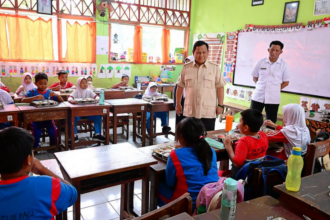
(229, 91)
(215, 42)
(321, 7)
(241, 93)
(315, 104)
(325, 105)
(249, 93)
(230, 56)
(127, 70)
(102, 71)
(235, 90)
(305, 102)
(110, 71)
(118, 70)
(102, 45)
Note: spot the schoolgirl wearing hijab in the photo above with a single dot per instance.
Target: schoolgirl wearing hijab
(295, 132)
(82, 92)
(27, 84)
(152, 91)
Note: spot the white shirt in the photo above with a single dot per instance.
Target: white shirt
(270, 77)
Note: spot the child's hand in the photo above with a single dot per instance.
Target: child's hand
(37, 167)
(51, 94)
(227, 141)
(73, 101)
(39, 97)
(57, 88)
(270, 123)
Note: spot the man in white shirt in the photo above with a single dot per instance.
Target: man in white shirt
(271, 75)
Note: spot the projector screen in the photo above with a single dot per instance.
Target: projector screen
(306, 52)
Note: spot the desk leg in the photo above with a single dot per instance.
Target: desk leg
(134, 126)
(66, 141)
(126, 200)
(145, 191)
(72, 130)
(106, 129)
(58, 125)
(114, 125)
(144, 123)
(224, 165)
(154, 179)
(76, 206)
(151, 132)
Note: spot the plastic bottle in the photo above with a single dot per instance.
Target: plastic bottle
(295, 166)
(101, 101)
(228, 200)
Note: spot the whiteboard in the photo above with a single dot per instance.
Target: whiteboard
(306, 52)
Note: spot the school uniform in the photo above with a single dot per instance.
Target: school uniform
(37, 127)
(185, 173)
(37, 198)
(26, 87)
(268, 87)
(67, 85)
(85, 93)
(6, 99)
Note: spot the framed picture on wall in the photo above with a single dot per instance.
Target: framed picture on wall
(290, 12)
(44, 7)
(257, 2)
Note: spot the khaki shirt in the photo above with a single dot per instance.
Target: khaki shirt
(201, 83)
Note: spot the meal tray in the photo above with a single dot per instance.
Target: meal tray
(86, 101)
(44, 104)
(163, 152)
(214, 143)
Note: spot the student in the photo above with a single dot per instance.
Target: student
(83, 92)
(124, 82)
(24, 196)
(90, 83)
(89, 79)
(4, 87)
(38, 94)
(6, 99)
(27, 84)
(63, 83)
(295, 132)
(253, 146)
(188, 168)
(152, 91)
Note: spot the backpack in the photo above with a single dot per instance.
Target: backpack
(209, 198)
(322, 136)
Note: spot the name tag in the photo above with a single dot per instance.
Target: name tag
(263, 68)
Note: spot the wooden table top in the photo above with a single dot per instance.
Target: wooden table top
(317, 117)
(28, 108)
(314, 191)
(97, 105)
(265, 207)
(10, 108)
(103, 160)
(124, 102)
(169, 102)
(53, 166)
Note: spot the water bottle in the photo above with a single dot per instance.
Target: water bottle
(101, 101)
(228, 200)
(295, 166)
(138, 84)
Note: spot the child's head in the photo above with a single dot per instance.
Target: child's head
(294, 114)
(250, 122)
(41, 80)
(62, 76)
(82, 83)
(125, 79)
(190, 132)
(16, 155)
(89, 79)
(27, 78)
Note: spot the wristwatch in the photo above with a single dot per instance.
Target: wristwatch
(222, 106)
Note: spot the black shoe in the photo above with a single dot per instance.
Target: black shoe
(98, 138)
(76, 140)
(166, 129)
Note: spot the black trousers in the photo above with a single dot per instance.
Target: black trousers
(209, 123)
(270, 109)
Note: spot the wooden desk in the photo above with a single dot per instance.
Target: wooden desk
(313, 198)
(162, 88)
(95, 168)
(119, 94)
(157, 171)
(9, 113)
(53, 166)
(128, 106)
(160, 107)
(64, 96)
(81, 110)
(17, 98)
(56, 113)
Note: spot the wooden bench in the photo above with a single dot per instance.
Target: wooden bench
(232, 109)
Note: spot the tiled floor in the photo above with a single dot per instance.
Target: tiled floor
(105, 204)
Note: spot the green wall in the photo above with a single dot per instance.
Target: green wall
(211, 16)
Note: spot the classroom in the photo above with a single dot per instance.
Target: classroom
(165, 109)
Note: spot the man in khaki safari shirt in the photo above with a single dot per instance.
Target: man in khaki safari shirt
(204, 84)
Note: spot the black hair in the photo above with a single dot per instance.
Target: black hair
(200, 43)
(191, 129)
(252, 118)
(62, 72)
(16, 145)
(89, 77)
(124, 75)
(41, 76)
(278, 43)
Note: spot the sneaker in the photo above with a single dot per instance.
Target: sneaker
(166, 129)
(98, 137)
(76, 140)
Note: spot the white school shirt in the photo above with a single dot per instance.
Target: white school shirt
(270, 77)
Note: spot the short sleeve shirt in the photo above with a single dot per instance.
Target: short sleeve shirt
(270, 77)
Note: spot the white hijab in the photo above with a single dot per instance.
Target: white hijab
(295, 129)
(79, 92)
(30, 86)
(148, 91)
(191, 58)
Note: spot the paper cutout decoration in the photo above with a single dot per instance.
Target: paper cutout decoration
(241, 93)
(305, 102)
(118, 71)
(315, 104)
(127, 70)
(327, 20)
(324, 104)
(249, 93)
(102, 71)
(318, 23)
(3, 70)
(109, 71)
(310, 25)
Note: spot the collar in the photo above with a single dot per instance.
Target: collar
(279, 60)
(11, 181)
(206, 64)
(42, 93)
(63, 87)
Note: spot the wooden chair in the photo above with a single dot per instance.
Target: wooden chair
(84, 125)
(314, 151)
(122, 122)
(178, 206)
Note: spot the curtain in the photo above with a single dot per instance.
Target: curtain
(80, 43)
(166, 41)
(4, 50)
(137, 48)
(30, 40)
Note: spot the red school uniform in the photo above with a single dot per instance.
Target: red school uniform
(67, 85)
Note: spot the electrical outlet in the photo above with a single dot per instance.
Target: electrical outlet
(142, 108)
(9, 117)
(104, 111)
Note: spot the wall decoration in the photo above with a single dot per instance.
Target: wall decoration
(249, 93)
(241, 93)
(44, 7)
(324, 104)
(257, 2)
(315, 104)
(321, 7)
(230, 56)
(102, 71)
(102, 45)
(127, 69)
(305, 102)
(290, 12)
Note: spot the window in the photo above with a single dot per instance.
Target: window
(151, 44)
(177, 39)
(122, 42)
